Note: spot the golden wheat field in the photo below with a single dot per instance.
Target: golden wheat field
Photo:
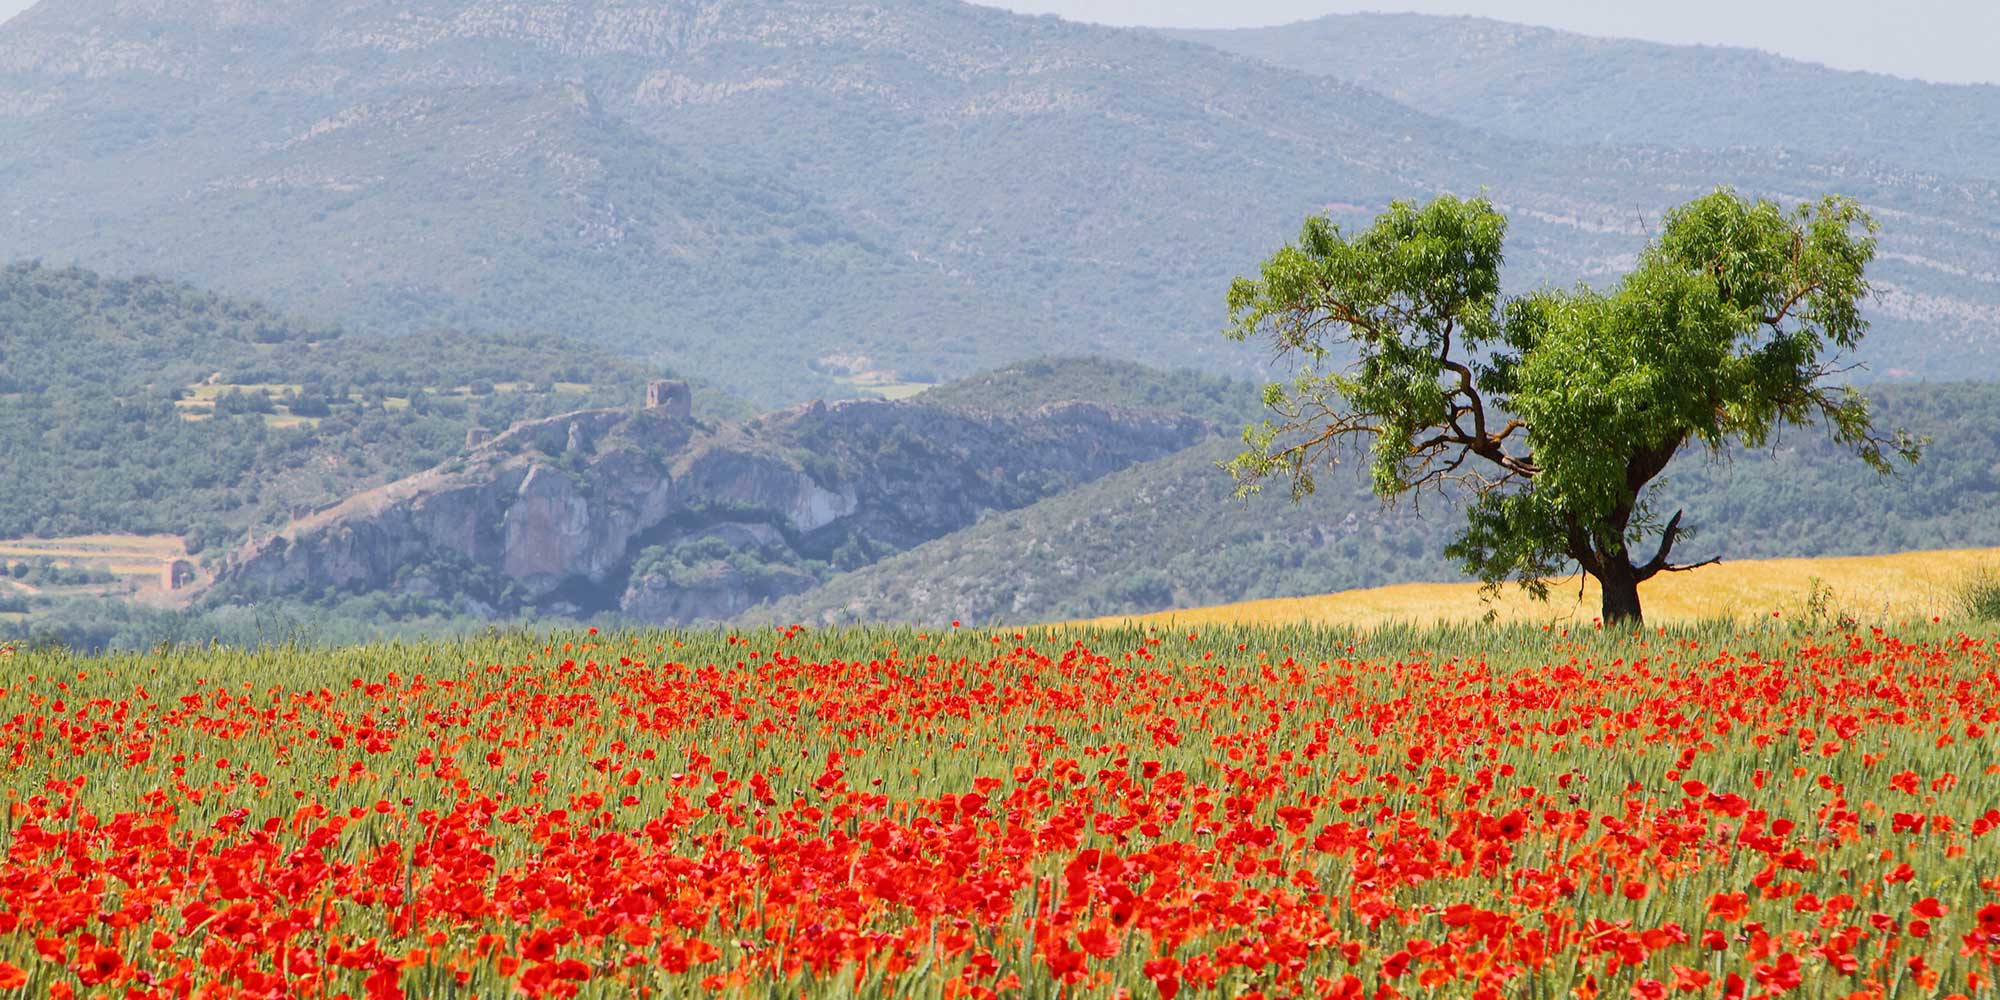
(1899, 587)
(137, 560)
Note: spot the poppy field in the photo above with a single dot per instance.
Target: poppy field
(1503, 812)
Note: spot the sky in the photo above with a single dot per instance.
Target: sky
(1947, 41)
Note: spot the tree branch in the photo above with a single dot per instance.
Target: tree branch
(1684, 567)
(1785, 309)
(1659, 564)
(1580, 549)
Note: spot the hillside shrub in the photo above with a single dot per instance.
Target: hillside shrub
(1979, 596)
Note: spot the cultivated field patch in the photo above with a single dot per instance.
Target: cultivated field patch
(1906, 586)
(97, 565)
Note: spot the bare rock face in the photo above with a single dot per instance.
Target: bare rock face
(548, 526)
(648, 514)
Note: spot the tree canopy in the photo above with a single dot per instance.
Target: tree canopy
(1548, 414)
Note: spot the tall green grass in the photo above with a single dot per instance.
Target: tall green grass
(1979, 597)
(260, 674)
(296, 661)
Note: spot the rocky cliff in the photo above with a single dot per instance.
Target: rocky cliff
(653, 515)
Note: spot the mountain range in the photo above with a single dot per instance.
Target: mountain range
(791, 199)
(1545, 85)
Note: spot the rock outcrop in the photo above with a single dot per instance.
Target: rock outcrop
(653, 515)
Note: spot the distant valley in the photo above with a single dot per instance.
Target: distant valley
(480, 481)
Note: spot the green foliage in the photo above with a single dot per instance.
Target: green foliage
(1725, 332)
(89, 625)
(1979, 597)
(46, 573)
(1402, 290)
(688, 563)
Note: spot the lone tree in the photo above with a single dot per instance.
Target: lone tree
(1548, 414)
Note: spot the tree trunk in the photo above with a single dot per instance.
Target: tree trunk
(1621, 592)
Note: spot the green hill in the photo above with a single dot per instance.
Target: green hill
(147, 406)
(1163, 533)
(1168, 534)
(1159, 535)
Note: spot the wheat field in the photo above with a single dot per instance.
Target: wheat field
(1903, 586)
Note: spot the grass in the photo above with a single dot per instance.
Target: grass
(155, 546)
(563, 387)
(199, 403)
(920, 810)
(896, 390)
(208, 392)
(883, 385)
(1979, 596)
(1905, 586)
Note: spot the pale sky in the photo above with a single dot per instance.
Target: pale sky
(1950, 41)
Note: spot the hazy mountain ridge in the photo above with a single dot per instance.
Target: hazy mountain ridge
(744, 188)
(1551, 85)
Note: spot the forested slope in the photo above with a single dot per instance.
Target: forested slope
(1169, 533)
(148, 406)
